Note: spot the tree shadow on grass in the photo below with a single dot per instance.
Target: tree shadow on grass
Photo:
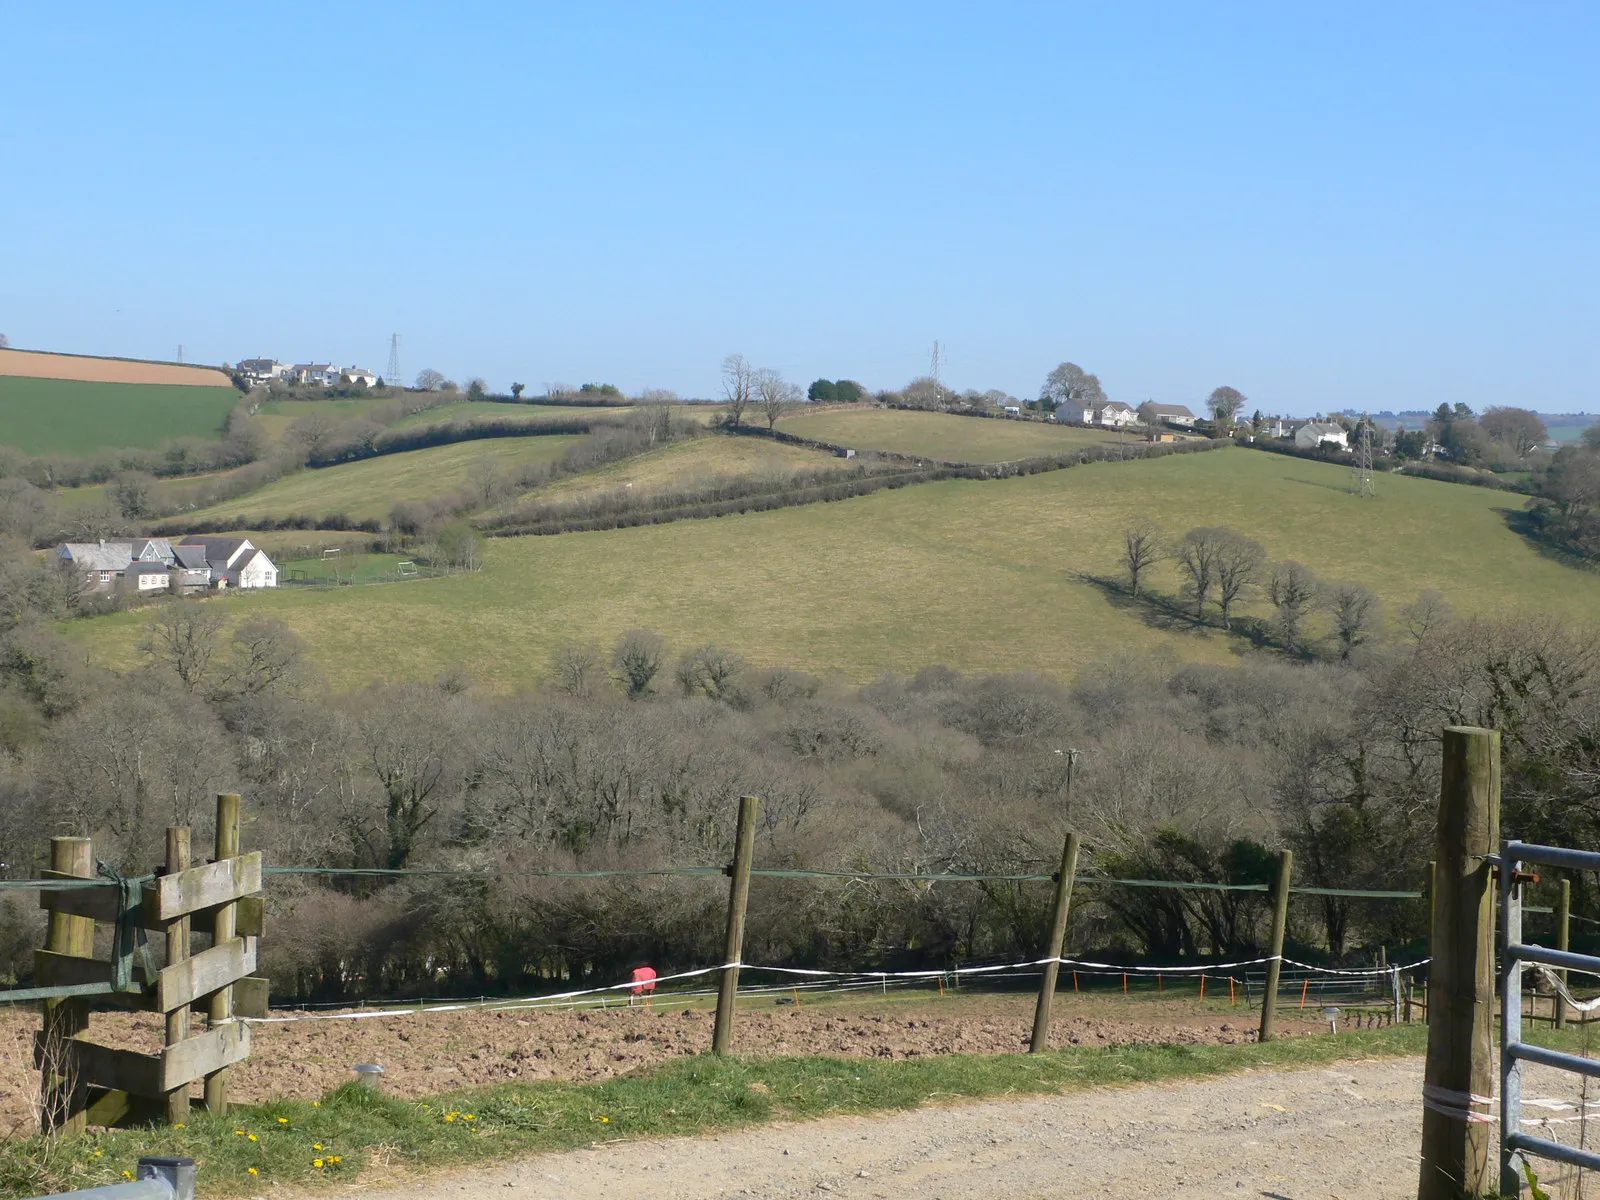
(1526, 524)
(1168, 613)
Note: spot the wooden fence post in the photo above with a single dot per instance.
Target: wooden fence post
(1280, 924)
(733, 944)
(1429, 893)
(1058, 935)
(178, 852)
(65, 1096)
(1563, 932)
(224, 928)
(1460, 1064)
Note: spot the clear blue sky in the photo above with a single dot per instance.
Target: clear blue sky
(1348, 205)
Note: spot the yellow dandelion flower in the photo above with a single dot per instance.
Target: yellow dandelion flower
(252, 1137)
(449, 1116)
(127, 1174)
(471, 1117)
(317, 1163)
(253, 1171)
(179, 1125)
(602, 1118)
(316, 1104)
(238, 1133)
(337, 1158)
(283, 1120)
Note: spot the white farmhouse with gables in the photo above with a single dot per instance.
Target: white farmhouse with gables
(148, 566)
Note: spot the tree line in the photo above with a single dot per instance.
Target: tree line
(633, 753)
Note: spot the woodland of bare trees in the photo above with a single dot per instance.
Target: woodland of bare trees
(634, 755)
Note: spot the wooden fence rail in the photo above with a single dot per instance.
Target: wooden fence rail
(84, 1083)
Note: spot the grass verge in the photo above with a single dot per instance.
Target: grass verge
(352, 1130)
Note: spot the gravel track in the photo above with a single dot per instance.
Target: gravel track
(1328, 1133)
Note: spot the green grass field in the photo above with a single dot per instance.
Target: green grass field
(977, 575)
(275, 416)
(467, 410)
(369, 488)
(700, 461)
(68, 417)
(940, 435)
(1567, 433)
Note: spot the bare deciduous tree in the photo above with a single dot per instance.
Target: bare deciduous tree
(1197, 554)
(577, 668)
(1426, 613)
(1225, 403)
(314, 433)
(709, 671)
(1239, 562)
(774, 395)
(738, 382)
(1294, 592)
(1517, 428)
(1070, 385)
(429, 380)
(637, 660)
(1142, 548)
(183, 635)
(1354, 609)
(266, 656)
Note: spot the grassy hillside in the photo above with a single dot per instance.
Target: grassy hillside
(696, 462)
(467, 410)
(275, 416)
(369, 488)
(69, 417)
(940, 435)
(978, 575)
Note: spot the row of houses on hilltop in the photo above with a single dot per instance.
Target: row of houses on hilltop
(1116, 414)
(270, 370)
(150, 566)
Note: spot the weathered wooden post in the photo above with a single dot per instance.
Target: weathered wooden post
(1459, 1075)
(1058, 935)
(64, 1092)
(733, 944)
(224, 929)
(1563, 932)
(1280, 924)
(178, 851)
(1429, 892)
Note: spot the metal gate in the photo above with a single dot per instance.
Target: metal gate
(1515, 955)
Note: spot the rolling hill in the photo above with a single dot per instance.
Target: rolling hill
(941, 435)
(978, 575)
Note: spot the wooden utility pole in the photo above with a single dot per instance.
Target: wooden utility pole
(1563, 931)
(733, 944)
(1058, 935)
(1457, 1132)
(64, 1095)
(226, 924)
(178, 850)
(1280, 924)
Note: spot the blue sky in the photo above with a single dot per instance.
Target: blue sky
(1346, 205)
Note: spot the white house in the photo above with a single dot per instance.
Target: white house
(1321, 433)
(234, 562)
(358, 377)
(1173, 414)
(1113, 412)
(1013, 410)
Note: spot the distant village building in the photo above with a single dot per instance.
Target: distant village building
(358, 377)
(321, 374)
(1114, 413)
(262, 370)
(1173, 414)
(1321, 433)
(146, 566)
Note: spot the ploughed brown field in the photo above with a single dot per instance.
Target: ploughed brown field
(428, 1054)
(37, 364)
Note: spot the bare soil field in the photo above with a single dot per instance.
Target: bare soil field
(40, 364)
(427, 1054)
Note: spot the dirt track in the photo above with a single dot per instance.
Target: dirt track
(1349, 1131)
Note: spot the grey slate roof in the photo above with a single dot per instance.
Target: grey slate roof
(97, 556)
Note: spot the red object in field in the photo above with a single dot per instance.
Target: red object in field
(644, 980)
